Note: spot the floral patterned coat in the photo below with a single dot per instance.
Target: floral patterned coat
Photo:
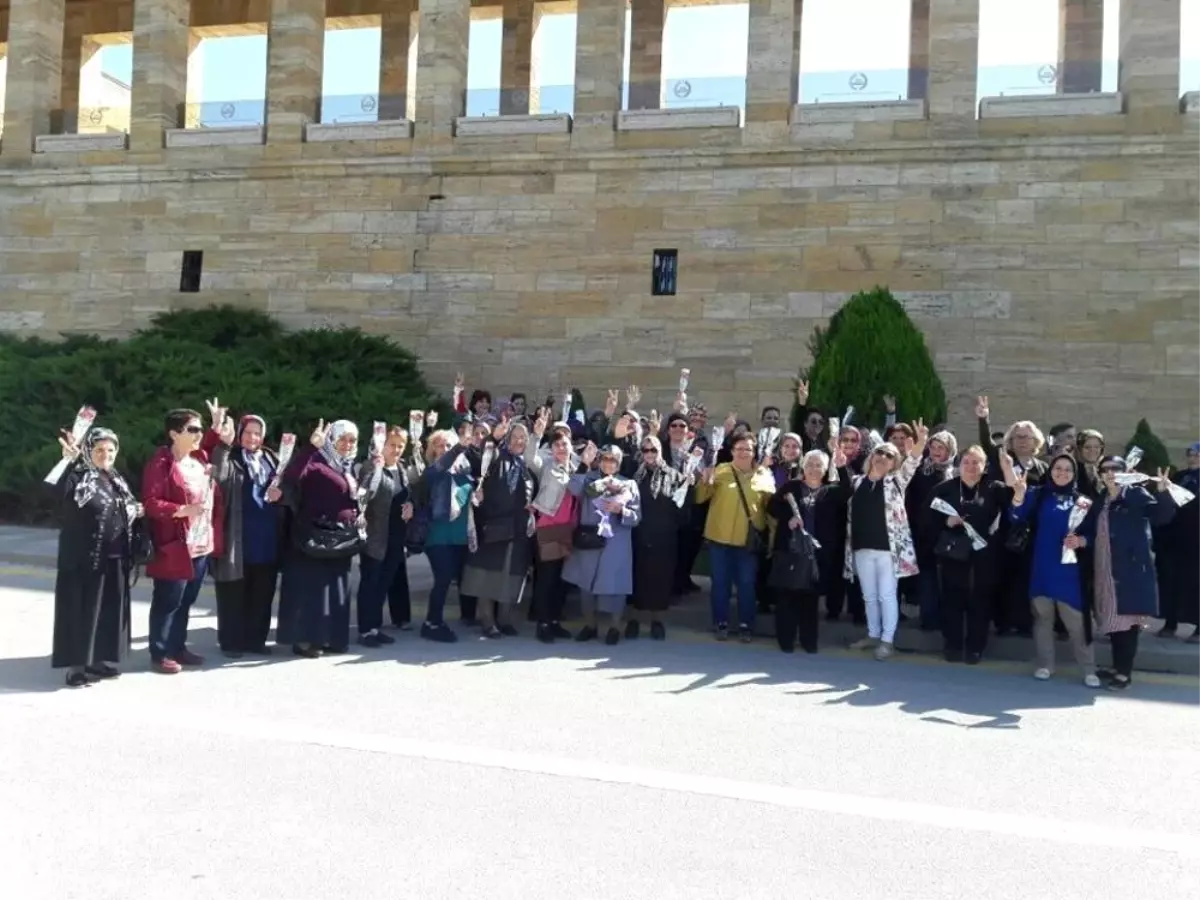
(900, 541)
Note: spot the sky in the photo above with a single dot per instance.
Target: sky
(704, 58)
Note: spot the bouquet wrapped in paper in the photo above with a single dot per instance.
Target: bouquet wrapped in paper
(287, 446)
(416, 426)
(489, 456)
(939, 505)
(847, 416)
(795, 507)
(1074, 519)
(83, 422)
(767, 439)
(378, 437)
(1181, 495)
(566, 410)
(716, 441)
(835, 427)
(1133, 458)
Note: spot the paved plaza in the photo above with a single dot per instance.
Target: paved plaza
(506, 769)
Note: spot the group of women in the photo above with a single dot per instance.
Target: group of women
(517, 511)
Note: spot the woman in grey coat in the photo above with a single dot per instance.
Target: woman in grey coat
(383, 564)
(610, 510)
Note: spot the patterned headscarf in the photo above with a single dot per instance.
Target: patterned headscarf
(89, 483)
(340, 462)
(260, 474)
(516, 461)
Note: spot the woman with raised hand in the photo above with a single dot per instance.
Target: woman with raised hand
(320, 488)
(383, 563)
(95, 558)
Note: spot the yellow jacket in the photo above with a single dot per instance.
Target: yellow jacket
(726, 523)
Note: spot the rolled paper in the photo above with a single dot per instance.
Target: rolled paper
(684, 375)
(1126, 479)
(566, 412)
(835, 427)
(287, 446)
(876, 438)
(458, 393)
(1181, 495)
(416, 426)
(941, 506)
(767, 439)
(1133, 458)
(489, 453)
(718, 440)
(847, 416)
(83, 421)
(378, 437)
(791, 500)
(1074, 519)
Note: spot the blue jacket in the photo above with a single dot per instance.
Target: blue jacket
(1131, 515)
(440, 482)
(1049, 577)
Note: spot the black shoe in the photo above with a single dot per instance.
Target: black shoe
(586, 633)
(491, 633)
(78, 680)
(102, 672)
(612, 637)
(384, 638)
(745, 634)
(809, 648)
(632, 629)
(544, 634)
(558, 631)
(371, 639)
(1118, 683)
(973, 659)
(952, 656)
(440, 633)
(787, 648)
(308, 652)
(509, 631)
(722, 631)
(658, 631)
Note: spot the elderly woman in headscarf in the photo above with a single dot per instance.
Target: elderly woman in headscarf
(320, 488)
(95, 558)
(497, 566)
(246, 572)
(601, 560)
(655, 540)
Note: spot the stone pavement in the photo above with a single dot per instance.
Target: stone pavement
(37, 547)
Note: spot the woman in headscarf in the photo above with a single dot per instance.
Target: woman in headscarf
(383, 565)
(95, 558)
(1179, 540)
(245, 574)
(323, 494)
(655, 540)
(1055, 586)
(497, 569)
(1125, 585)
(611, 509)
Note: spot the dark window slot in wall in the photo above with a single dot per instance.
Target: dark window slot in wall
(664, 273)
(190, 270)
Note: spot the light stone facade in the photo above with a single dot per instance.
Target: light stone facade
(1052, 260)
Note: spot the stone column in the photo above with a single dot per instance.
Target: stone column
(771, 39)
(35, 42)
(918, 50)
(953, 66)
(441, 67)
(395, 37)
(77, 51)
(1149, 68)
(1080, 45)
(797, 23)
(516, 56)
(645, 53)
(599, 66)
(194, 95)
(295, 57)
(160, 55)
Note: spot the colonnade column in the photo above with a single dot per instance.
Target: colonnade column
(160, 63)
(797, 27)
(295, 64)
(953, 67)
(1149, 68)
(646, 21)
(918, 50)
(395, 38)
(77, 52)
(516, 56)
(1080, 46)
(599, 66)
(442, 67)
(33, 91)
(769, 56)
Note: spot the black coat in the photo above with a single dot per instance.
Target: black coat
(980, 509)
(829, 522)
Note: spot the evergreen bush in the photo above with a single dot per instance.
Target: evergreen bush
(872, 348)
(1155, 454)
(292, 379)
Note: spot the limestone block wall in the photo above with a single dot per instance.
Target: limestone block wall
(1056, 273)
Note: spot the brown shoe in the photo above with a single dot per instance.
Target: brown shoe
(188, 658)
(167, 666)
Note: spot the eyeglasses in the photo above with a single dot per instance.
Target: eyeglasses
(743, 449)
(675, 425)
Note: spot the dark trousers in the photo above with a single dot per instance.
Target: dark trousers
(244, 608)
(796, 613)
(966, 599)
(549, 591)
(848, 594)
(687, 551)
(91, 616)
(323, 590)
(170, 604)
(1124, 650)
(446, 561)
(380, 580)
(468, 608)
(1013, 609)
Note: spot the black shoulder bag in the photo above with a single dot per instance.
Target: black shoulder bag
(756, 539)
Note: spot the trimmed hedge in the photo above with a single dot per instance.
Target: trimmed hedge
(243, 357)
(872, 348)
(1155, 454)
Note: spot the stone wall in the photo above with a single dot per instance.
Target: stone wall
(1056, 273)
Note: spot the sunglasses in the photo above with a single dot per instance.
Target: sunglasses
(649, 450)
(194, 429)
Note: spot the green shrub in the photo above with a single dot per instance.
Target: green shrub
(871, 348)
(1155, 454)
(292, 379)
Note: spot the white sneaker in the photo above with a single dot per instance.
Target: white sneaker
(883, 651)
(1042, 674)
(1092, 681)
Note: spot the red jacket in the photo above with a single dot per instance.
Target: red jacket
(163, 492)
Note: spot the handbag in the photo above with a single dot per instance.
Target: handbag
(797, 568)
(554, 542)
(323, 539)
(140, 544)
(497, 531)
(953, 545)
(587, 537)
(756, 540)
(417, 532)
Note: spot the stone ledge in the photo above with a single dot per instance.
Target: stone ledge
(666, 119)
(80, 143)
(876, 111)
(1051, 105)
(391, 129)
(179, 138)
(1189, 104)
(484, 126)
